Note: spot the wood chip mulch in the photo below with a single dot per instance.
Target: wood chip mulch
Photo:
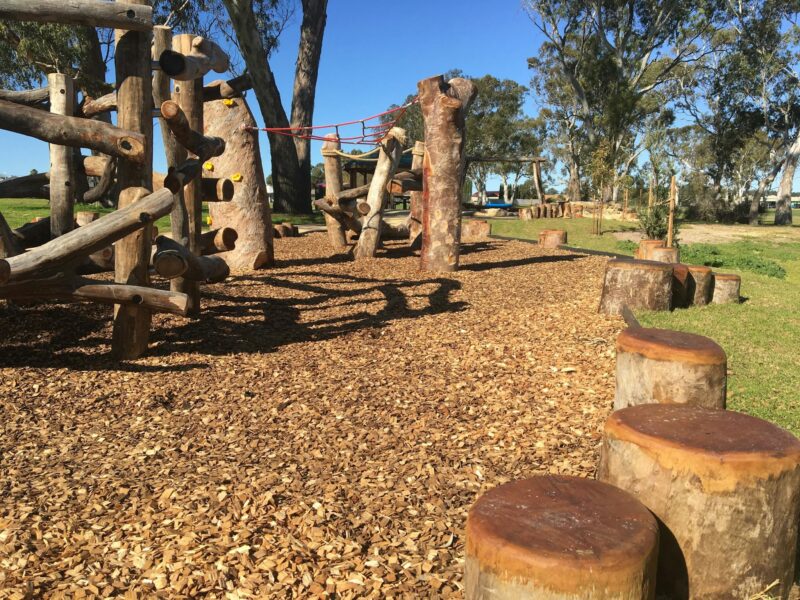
(320, 432)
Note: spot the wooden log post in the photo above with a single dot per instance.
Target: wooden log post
(668, 254)
(132, 60)
(444, 107)
(192, 58)
(174, 260)
(681, 296)
(525, 214)
(673, 195)
(94, 13)
(62, 169)
(416, 199)
(559, 538)
(388, 159)
(646, 247)
(700, 285)
(218, 240)
(248, 212)
(727, 288)
(333, 185)
(724, 487)
(637, 284)
(659, 366)
(75, 131)
(551, 239)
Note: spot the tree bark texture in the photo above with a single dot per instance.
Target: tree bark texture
(700, 285)
(62, 169)
(783, 210)
(559, 538)
(74, 131)
(725, 488)
(659, 366)
(637, 284)
(133, 16)
(727, 288)
(444, 107)
(174, 260)
(248, 213)
(551, 239)
(194, 60)
(333, 185)
(132, 59)
(27, 186)
(388, 159)
(416, 198)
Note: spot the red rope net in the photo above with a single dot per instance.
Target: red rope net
(370, 134)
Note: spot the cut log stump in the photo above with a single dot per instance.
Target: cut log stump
(475, 229)
(646, 246)
(667, 255)
(557, 537)
(525, 214)
(84, 217)
(726, 288)
(551, 239)
(681, 298)
(659, 366)
(700, 285)
(285, 230)
(726, 490)
(637, 284)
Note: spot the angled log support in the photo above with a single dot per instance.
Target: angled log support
(233, 88)
(73, 131)
(194, 61)
(415, 214)
(388, 159)
(174, 260)
(38, 98)
(33, 234)
(91, 107)
(218, 240)
(195, 142)
(104, 185)
(92, 13)
(333, 185)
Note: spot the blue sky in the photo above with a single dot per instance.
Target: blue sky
(373, 55)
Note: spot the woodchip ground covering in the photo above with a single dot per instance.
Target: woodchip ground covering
(321, 432)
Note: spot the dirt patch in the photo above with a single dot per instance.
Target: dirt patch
(323, 428)
(699, 233)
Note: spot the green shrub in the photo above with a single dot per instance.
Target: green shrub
(712, 256)
(655, 222)
(627, 246)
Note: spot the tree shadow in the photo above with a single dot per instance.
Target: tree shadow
(519, 262)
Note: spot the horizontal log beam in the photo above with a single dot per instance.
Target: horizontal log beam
(233, 88)
(72, 131)
(33, 234)
(71, 248)
(205, 56)
(27, 186)
(91, 107)
(511, 159)
(353, 193)
(218, 240)
(203, 146)
(38, 98)
(81, 289)
(173, 260)
(347, 220)
(93, 13)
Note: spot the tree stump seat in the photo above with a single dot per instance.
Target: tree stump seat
(726, 490)
(659, 366)
(700, 285)
(551, 239)
(646, 246)
(558, 537)
(637, 284)
(475, 229)
(726, 288)
(681, 297)
(663, 254)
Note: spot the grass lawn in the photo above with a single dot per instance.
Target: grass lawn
(761, 336)
(19, 211)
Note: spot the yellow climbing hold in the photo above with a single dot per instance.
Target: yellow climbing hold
(208, 220)
(208, 166)
(236, 177)
(227, 102)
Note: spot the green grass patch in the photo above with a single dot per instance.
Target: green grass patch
(578, 232)
(742, 256)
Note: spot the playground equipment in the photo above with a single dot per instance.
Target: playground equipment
(47, 261)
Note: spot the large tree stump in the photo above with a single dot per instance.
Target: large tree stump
(62, 169)
(700, 285)
(444, 107)
(646, 247)
(248, 213)
(659, 366)
(557, 537)
(681, 296)
(416, 199)
(637, 284)
(668, 255)
(333, 185)
(525, 214)
(726, 288)
(551, 239)
(475, 229)
(725, 488)
(133, 64)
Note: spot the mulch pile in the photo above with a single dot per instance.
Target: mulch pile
(320, 432)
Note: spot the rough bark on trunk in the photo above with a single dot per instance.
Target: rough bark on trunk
(636, 284)
(416, 199)
(574, 185)
(133, 16)
(763, 186)
(388, 159)
(196, 57)
(133, 65)
(248, 213)
(444, 107)
(27, 186)
(783, 210)
(726, 288)
(62, 169)
(333, 185)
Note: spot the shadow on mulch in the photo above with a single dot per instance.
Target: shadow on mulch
(519, 262)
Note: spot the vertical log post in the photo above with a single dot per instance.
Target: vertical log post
(415, 215)
(444, 107)
(134, 96)
(189, 96)
(673, 191)
(62, 168)
(333, 185)
(371, 225)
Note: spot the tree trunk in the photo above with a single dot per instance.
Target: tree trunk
(763, 186)
(537, 180)
(248, 212)
(574, 185)
(415, 214)
(333, 185)
(444, 108)
(783, 212)
(62, 169)
(133, 65)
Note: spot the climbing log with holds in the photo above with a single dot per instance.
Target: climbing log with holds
(551, 239)
(559, 538)
(193, 60)
(62, 167)
(637, 284)
(726, 490)
(659, 366)
(444, 107)
(681, 297)
(646, 247)
(726, 288)
(667, 255)
(700, 285)
(333, 185)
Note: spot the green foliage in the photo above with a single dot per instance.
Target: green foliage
(627, 246)
(654, 222)
(732, 257)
